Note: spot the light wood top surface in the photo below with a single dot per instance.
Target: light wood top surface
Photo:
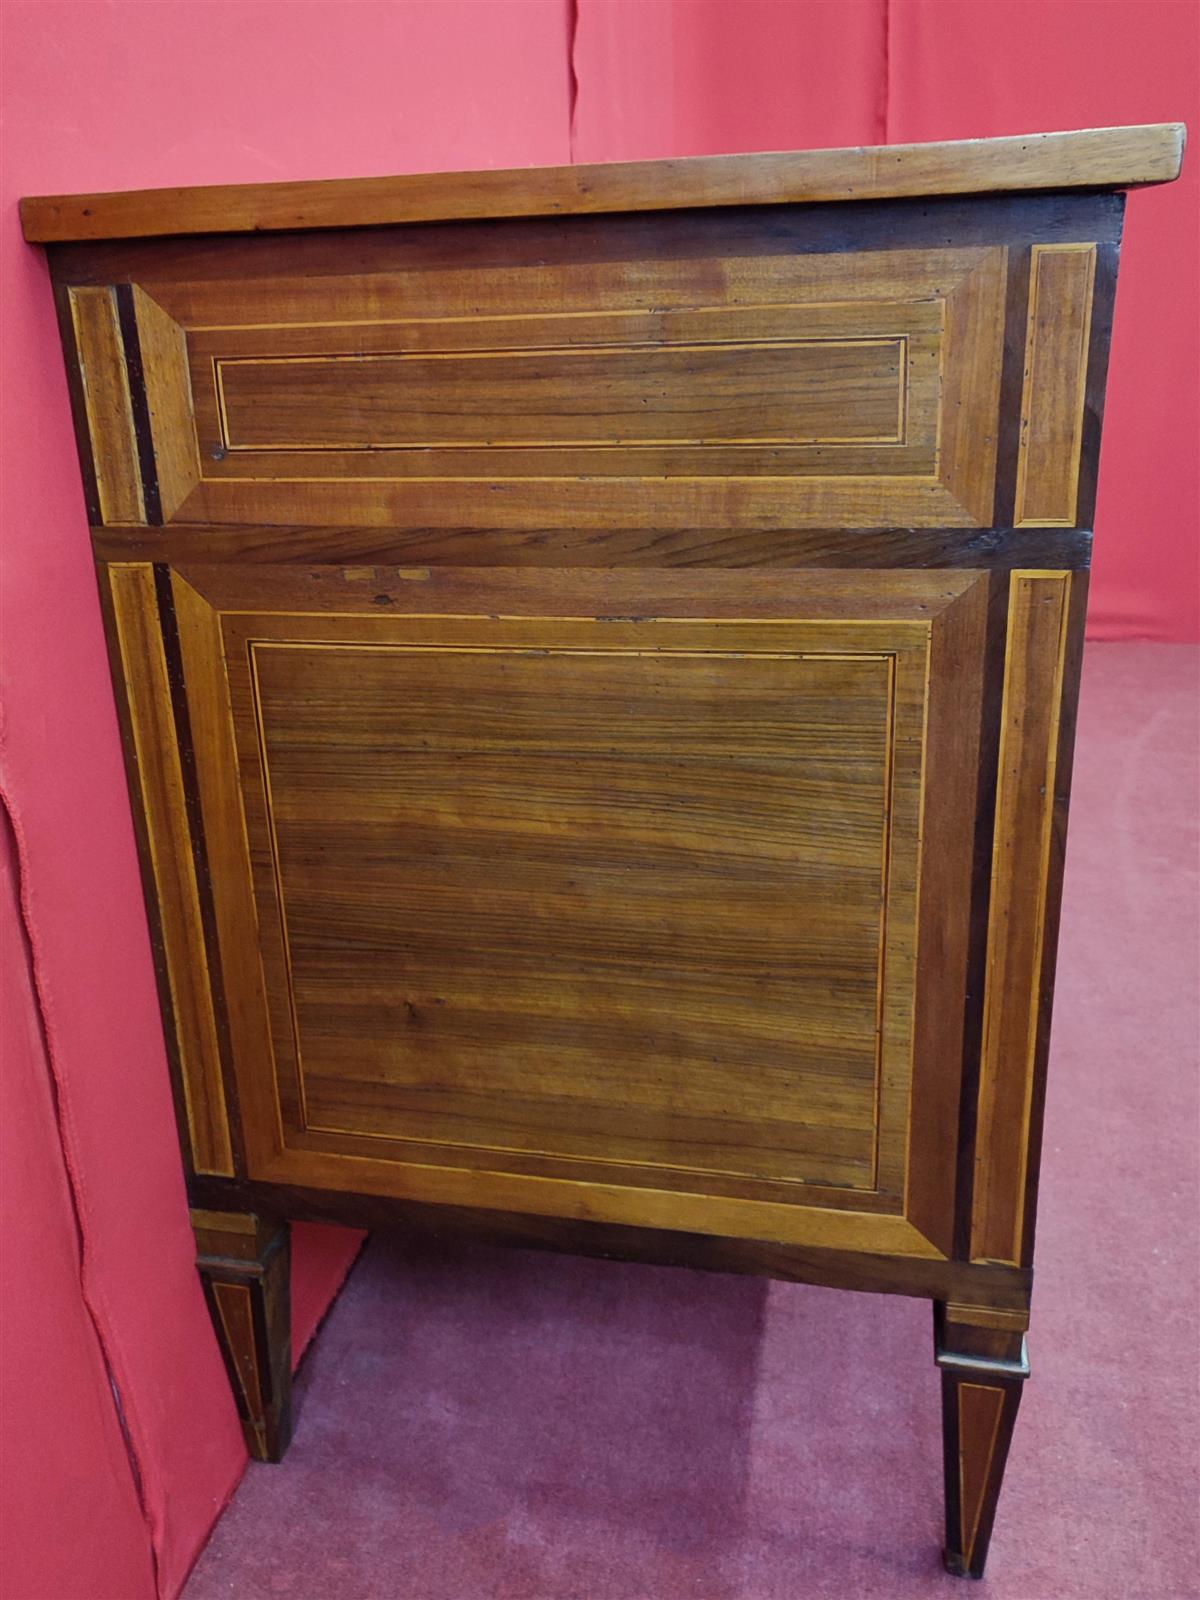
(1093, 158)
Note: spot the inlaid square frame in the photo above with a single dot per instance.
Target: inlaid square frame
(936, 620)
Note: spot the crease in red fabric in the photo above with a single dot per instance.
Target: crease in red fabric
(56, 1381)
(133, 96)
(702, 77)
(974, 71)
(91, 1287)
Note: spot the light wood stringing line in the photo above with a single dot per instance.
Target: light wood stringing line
(916, 931)
(539, 650)
(607, 312)
(898, 342)
(236, 1308)
(211, 716)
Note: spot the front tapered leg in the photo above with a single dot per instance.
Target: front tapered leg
(983, 1368)
(244, 1262)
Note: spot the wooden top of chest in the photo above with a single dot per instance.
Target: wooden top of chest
(1092, 158)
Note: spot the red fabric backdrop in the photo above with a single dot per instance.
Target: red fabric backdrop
(697, 77)
(116, 96)
(98, 1261)
(1082, 64)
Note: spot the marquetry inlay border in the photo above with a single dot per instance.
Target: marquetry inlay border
(167, 348)
(226, 367)
(163, 364)
(935, 622)
(894, 1017)
(1061, 285)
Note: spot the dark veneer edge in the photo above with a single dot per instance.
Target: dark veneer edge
(903, 1275)
(1072, 668)
(1103, 306)
(817, 228)
(981, 885)
(79, 419)
(139, 403)
(999, 548)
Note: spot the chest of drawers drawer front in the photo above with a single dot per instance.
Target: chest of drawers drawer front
(544, 887)
(720, 379)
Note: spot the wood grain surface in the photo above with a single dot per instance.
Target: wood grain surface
(104, 382)
(1025, 811)
(1087, 158)
(838, 388)
(1062, 282)
(168, 836)
(599, 881)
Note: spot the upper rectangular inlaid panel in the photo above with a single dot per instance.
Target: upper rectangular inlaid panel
(713, 389)
(740, 391)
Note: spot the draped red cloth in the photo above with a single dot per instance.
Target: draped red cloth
(697, 77)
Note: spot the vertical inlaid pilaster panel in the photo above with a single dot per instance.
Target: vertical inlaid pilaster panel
(1025, 801)
(108, 404)
(160, 781)
(1061, 282)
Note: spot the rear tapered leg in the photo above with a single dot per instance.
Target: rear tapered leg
(244, 1262)
(983, 1369)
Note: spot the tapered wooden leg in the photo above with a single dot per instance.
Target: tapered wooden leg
(984, 1367)
(245, 1262)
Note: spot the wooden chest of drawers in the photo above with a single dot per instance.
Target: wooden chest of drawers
(597, 651)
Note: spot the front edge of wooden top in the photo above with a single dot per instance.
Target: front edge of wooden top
(1091, 158)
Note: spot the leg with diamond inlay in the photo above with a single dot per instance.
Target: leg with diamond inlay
(983, 1364)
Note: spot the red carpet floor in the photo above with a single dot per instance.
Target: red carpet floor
(478, 1425)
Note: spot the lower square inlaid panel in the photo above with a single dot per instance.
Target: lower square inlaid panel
(573, 901)
(618, 900)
